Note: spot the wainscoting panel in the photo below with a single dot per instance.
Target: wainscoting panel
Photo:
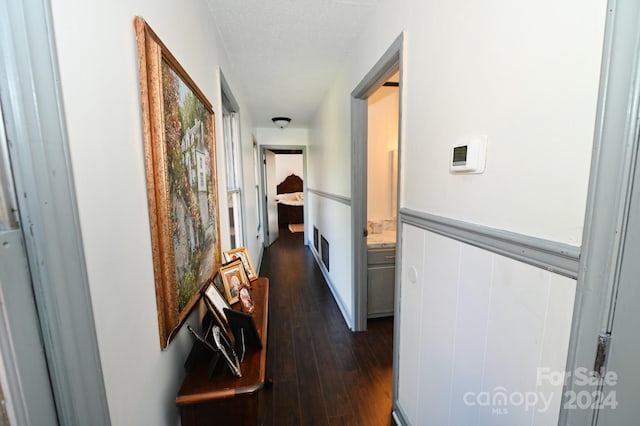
(475, 324)
(410, 324)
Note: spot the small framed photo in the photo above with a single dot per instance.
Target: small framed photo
(217, 303)
(246, 300)
(233, 278)
(243, 254)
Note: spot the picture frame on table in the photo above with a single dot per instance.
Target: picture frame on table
(216, 301)
(234, 278)
(246, 300)
(180, 164)
(226, 350)
(217, 282)
(215, 342)
(243, 327)
(242, 253)
(211, 319)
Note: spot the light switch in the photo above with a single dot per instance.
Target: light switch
(413, 274)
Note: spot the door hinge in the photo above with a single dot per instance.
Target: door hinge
(602, 351)
(365, 233)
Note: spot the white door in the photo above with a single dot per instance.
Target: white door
(270, 187)
(24, 377)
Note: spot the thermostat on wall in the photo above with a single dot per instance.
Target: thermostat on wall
(469, 157)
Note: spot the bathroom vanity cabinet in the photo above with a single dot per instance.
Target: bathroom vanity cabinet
(381, 275)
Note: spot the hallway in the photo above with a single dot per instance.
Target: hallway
(323, 374)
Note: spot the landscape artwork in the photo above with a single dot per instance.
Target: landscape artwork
(178, 125)
(191, 188)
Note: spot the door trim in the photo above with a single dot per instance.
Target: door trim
(390, 61)
(612, 166)
(263, 187)
(35, 126)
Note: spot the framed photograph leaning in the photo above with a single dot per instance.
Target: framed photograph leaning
(233, 279)
(180, 160)
(216, 301)
(243, 254)
(246, 300)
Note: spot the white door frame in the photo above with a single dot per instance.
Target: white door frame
(263, 186)
(387, 65)
(33, 111)
(270, 198)
(27, 394)
(614, 152)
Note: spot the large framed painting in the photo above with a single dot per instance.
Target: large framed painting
(180, 157)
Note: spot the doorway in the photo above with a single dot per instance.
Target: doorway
(606, 319)
(283, 179)
(383, 107)
(620, 390)
(46, 232)
(26, 391)
(388, 70)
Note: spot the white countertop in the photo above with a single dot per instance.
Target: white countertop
(385, 239)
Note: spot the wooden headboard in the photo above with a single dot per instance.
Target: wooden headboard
(292, 183)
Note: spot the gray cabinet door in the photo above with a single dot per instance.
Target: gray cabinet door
(381, 289)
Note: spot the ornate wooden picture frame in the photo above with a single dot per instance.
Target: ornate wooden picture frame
(242, 253)
(234, 278)
(180, 159)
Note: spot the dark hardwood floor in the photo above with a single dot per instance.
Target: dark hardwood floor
(323, 374)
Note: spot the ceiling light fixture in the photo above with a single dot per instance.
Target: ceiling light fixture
(281, 122)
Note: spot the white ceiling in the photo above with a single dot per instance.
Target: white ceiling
(287, 52)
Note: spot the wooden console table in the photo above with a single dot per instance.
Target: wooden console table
(225, 399)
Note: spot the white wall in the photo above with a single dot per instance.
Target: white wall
(277, 137)
(382, 134)
(99, 76)
(329, 171)
(485, 68)
(479, 68)
(332, 219)
(289, 164)
(329, 159)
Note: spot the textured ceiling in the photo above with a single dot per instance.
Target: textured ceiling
(287, 52)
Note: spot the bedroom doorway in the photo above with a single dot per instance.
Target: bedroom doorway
(283, 179)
